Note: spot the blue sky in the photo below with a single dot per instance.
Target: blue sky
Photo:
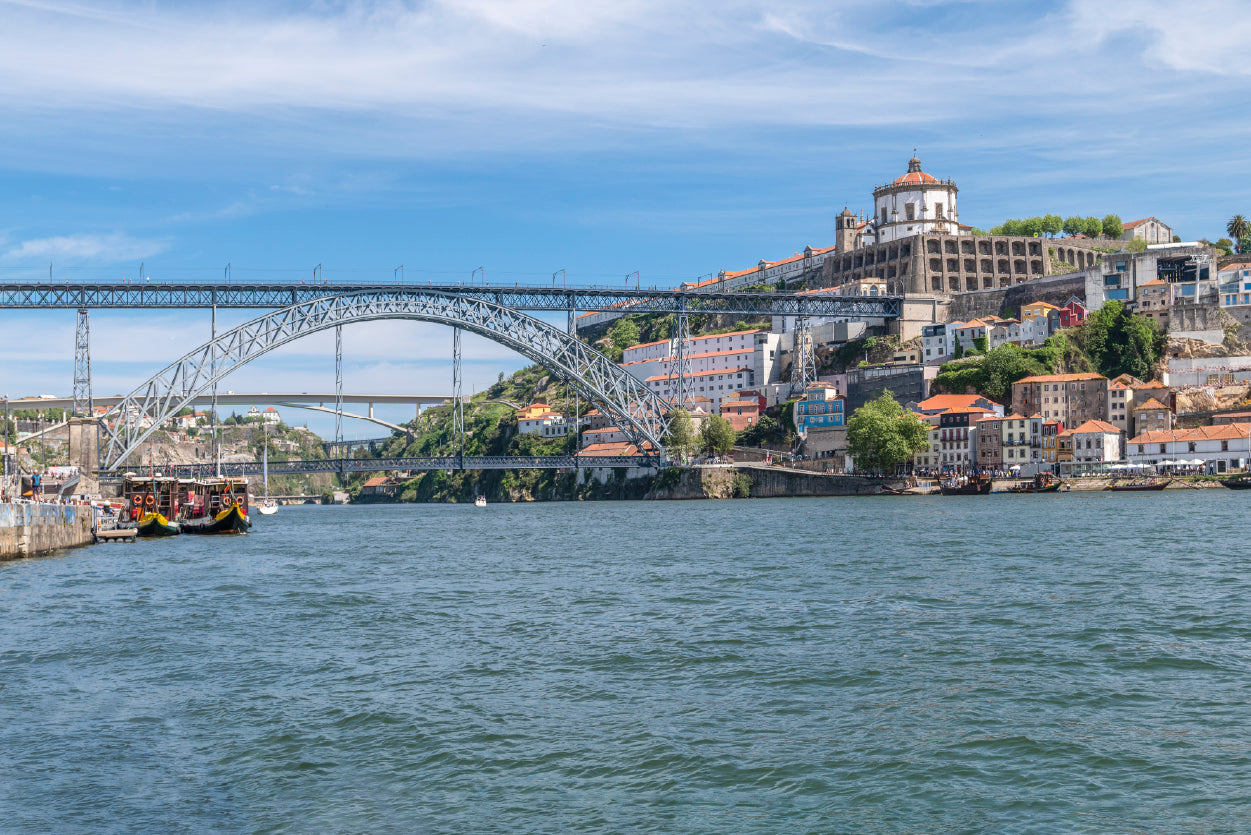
(525, 136)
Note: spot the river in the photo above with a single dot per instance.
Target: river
(1053, 663)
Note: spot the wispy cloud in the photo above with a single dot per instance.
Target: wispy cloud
(109, 248)
(661, 62)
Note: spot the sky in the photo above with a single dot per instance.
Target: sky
(524, 137)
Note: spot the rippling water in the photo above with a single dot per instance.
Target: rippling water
(1071, 663)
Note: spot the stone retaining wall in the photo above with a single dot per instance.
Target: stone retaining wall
(30, 529)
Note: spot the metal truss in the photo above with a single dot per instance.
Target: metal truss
(804, 358)
(635, 409)
(83, 404)
(51, 296)
(367, 465)
(680, 361)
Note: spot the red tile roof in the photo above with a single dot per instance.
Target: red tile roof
(1224, 432)
(1060, 378)
(1099, 426)
(1151, 405)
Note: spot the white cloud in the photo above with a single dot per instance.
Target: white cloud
(110, 248)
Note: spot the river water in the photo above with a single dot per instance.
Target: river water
(1063, 663)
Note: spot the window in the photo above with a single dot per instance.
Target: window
(938, 209)
(1191, 446)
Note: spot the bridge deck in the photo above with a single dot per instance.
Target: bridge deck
(43, 296)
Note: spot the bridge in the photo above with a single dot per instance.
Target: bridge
(494, 312)
(253, 295)
(365, 465)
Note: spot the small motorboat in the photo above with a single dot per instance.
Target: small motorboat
(480, 501)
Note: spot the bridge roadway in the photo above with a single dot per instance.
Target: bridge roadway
(365, 465)
(235, 399)
(66, 296)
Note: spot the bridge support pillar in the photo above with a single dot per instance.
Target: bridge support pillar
(83, 404)
(84, 444)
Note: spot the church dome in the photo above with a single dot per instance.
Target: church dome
(915, 176)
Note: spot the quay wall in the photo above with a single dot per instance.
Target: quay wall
(30, 529)
(767, 482)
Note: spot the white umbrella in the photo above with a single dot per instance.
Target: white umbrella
(1015, 467)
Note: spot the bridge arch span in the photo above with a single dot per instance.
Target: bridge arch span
(637, 410)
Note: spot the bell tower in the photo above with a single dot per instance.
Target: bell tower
(845, 231)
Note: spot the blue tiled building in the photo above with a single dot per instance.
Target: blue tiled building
(821, 408)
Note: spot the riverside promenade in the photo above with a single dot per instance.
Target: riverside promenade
(31, 528)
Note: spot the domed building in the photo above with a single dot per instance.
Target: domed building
(915, 204)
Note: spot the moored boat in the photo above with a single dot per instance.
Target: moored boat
(975, 485)
(231, 520)
(1139, 486)
(155, 524)
(216, 505)
(1041, 483)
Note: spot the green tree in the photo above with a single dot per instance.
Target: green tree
(766, 430)
(976, 231)
(624, 333)
(1136, 245)
(716, 436)
(1074, 225)
(959, 349)
(1238, 228)
(1032, 227)
(680, 439)
(1112, 226)
(1224, 244)
(881, 435)
(1052, 224)
(1118, 342)
(1093, 227)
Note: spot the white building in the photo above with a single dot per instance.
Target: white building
(1096, 441)
(936, 343)
(720, 364)
(1221, 448)
(1149, 229)
(914, 204)
(271, 416)
(547, 425)
(1235, 286)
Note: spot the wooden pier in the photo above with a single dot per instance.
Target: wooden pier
(117, 535)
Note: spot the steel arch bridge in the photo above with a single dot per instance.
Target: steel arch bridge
(637, 410)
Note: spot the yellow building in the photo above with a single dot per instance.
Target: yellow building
(1033, 310)
(533, 411)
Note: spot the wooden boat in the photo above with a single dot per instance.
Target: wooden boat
(231, 520)
(216, 505)
(147, 497)
(1139, 486)
(1238, 483)
(155, 524)
(978, 485)
(1041, 483)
